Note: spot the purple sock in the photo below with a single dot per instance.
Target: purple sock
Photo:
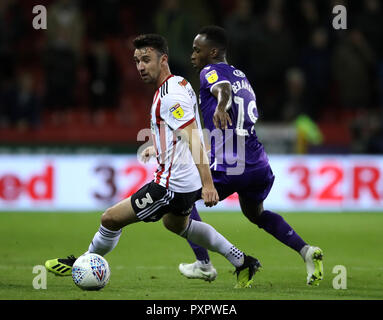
(200, 253)
(274, 224)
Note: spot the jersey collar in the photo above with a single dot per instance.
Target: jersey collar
(172, 75)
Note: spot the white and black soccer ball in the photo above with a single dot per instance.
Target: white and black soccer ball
(91, 272)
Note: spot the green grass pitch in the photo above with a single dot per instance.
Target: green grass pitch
(145, 263)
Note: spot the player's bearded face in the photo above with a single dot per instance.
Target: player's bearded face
(148, 64)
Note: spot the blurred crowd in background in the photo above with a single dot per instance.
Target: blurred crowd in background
(79, 73)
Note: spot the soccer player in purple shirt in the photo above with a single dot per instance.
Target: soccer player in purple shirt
(238, 160)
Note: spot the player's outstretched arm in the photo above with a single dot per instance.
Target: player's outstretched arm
(209, 193)
(222, 92)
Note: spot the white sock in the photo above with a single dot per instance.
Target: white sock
(206, 236)
(205, 262)
(203, 265)
(304, 251)
(104, 241)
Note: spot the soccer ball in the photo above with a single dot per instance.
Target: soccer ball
(91, 272)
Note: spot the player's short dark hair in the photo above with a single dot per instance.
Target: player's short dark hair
(216, 35)
(152, 40)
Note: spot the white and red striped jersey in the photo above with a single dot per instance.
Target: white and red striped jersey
(174, 107)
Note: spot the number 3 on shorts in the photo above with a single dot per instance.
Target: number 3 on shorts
(144, 201)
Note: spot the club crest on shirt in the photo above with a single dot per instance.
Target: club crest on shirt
(177, 111)
(211, 76)
(183, 83)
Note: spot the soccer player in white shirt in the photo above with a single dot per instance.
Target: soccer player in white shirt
(183, 174)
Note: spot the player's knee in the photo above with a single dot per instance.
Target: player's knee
(109, 220)
(254, 216)
(173, 226)
(252, 211)
(170, 226)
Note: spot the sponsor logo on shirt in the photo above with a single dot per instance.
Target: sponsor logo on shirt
(177, 111)
(211, 76)
(238, 73)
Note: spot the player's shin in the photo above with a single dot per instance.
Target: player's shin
(200, 252)
(104, 241)
(275, 225)
(206, 236)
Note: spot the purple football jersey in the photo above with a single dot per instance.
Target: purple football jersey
(238, 146)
